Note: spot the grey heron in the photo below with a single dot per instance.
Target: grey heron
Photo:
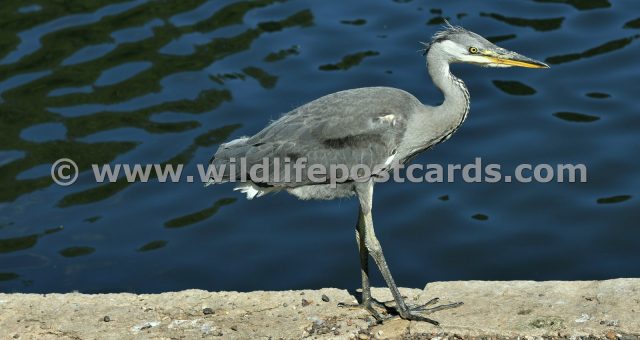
(370, 126)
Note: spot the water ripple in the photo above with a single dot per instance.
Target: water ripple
(167, 82)
(30, 39)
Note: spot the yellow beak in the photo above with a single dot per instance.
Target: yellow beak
(518, 60)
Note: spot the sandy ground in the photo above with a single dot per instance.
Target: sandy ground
(555, 309)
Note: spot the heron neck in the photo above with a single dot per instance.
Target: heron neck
(456, 96)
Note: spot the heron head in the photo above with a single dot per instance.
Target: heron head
(456, 44)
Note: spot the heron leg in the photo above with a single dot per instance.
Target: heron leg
(368, 301)
(366, 232)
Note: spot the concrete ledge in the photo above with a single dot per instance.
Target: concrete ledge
(602, 309)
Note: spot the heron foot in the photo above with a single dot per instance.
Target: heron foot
(371, 305)
(413, 313)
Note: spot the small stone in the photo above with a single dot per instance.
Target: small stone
(363, 336)
(325, 298)
(613, 323)
(234, 328)
(106, 318)
(611, 335)
(336, 332)
(305, 302)
(285, 304)
(207, 311)
(349, 322)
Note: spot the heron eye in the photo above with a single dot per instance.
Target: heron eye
(473, 50)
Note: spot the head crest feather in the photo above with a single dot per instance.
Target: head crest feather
(447, 30)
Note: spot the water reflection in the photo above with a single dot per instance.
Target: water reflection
(537, 24)
(632, 24)
(601, 49)
(153, 245)
(13, 244)
(613, 199)
(265, 79)
(581, 4)
(348, 61)
(598, 95)
(76, 251)
(8, 276)
(109, 189)
(355, 22)
(515, 88)
(498, 38)
(166, 82)
(17, 243)
(480, 217)
(576, 117)
(282, 54)
(198, 216)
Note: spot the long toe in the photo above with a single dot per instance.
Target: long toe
(413, 316)
(424, 309)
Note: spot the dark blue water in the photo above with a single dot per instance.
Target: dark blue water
(166, 82)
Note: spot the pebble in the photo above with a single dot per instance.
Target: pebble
(207, 311)
(325, 298)
(305, 302)
(106, 318)
(363, 336)
(234, 328)
(611, 335)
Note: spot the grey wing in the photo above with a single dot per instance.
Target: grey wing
(347, 128)
(372, 148)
